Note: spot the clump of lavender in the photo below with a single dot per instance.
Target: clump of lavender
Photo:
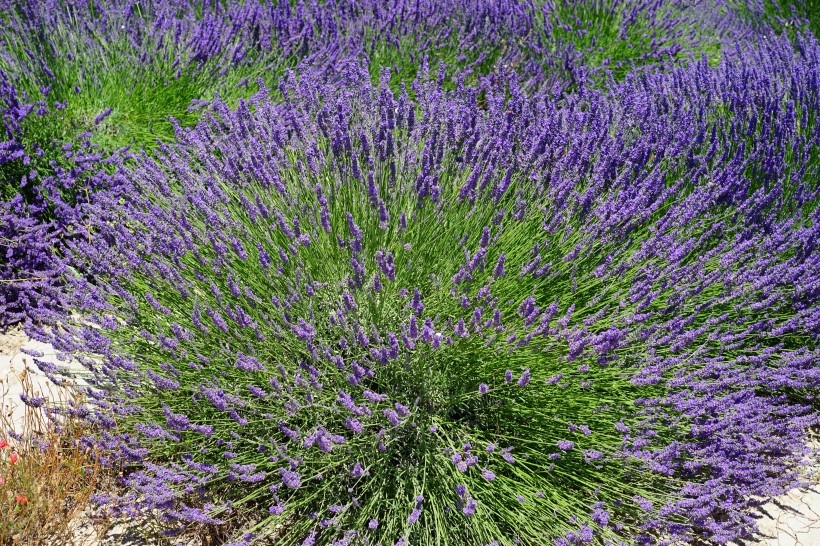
(599, 41)
(121, 68)
(79, 81)
(110, 74)
(382, 320)
(46, 208)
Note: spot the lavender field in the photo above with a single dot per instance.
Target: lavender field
(414, 272)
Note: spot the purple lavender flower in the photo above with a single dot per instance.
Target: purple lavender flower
(290, 478)
(643, 503)
(631, 207)
(585, 534)
(416, 303)
(414, 515)
(354, 425)
(303, 330)
(392, 416)
(358, 471)
(102, 115)
(524, 379)
(355, 233)
(600, 516)
(470, 507)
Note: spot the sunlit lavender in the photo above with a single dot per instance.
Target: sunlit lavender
(555, 282)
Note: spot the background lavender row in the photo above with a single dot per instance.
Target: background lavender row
(100, 76)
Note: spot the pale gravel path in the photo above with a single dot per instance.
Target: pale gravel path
(789, 520)
(14, 365)
(793, 519)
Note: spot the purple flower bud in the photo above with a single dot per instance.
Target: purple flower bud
(413, 328)
(414, 516)
(585, 534)
(248, 364)
(392, 416)
(354, 425)
(524, 379)
(290, 478)
(355, 232)
(485, 237)
(384, 217)
(643, 503)
(555, 379)
(416, 303)
(277, 509)
(461, 329)
(324, 212)
(303, 330)
(358, 471)
(402, 410)
(600, 516)
(102, 115)
(470, 507)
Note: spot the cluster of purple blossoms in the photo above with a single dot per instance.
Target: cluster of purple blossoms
(70, 107)
(676, 284)
(455, 307)
(117, 56)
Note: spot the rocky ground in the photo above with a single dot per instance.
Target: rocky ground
(789, 520)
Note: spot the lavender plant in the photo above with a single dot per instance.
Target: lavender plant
(605, 40)
(364, 318)
(785, 15)
(120, 69)
(79, 81)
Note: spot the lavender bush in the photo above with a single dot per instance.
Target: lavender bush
(79, 81)
(119, 69)
(464, 316)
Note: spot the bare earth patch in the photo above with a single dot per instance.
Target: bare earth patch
(793, 519)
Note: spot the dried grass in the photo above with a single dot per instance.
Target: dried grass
(47, 475)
